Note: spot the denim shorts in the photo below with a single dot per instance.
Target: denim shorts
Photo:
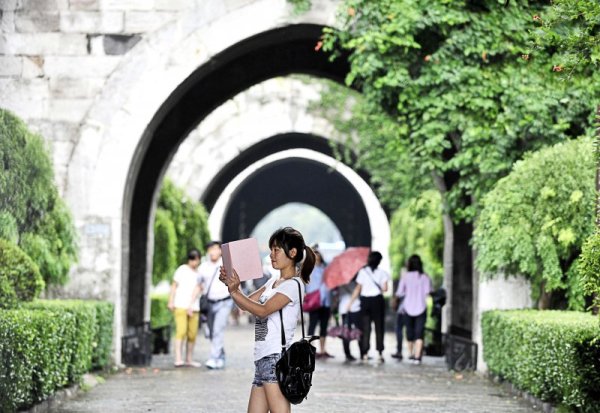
(264, 370)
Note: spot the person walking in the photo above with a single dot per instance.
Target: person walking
(220, 305)
(414, 288)
(183, 302)
(322, 314)
(350, 318)
(398, 307)
(371, 282)
(295, 260)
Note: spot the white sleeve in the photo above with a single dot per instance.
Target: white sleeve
(360, 278)
(177, 275)
(290, 290)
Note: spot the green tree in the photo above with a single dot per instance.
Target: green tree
(417, 229)
(180, 224)
(571, 28)
(32, 213)
(467, 97)
(536, 219)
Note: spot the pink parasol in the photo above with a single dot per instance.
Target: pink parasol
(345, 266)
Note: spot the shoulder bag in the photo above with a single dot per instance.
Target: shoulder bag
(295, 368)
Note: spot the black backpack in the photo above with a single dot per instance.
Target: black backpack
(296, 366)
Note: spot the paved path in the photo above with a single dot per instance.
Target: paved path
(338, 387)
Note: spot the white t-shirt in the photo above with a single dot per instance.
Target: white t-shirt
(367, 279)
(186, 279)
(267, 333)
(218, 290)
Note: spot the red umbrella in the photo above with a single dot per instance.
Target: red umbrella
(345, 266)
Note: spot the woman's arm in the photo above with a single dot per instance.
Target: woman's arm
(355, 295)
(275, 303)
(171, 304)
(256, 294)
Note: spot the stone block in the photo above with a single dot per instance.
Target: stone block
(69, 110)
(72, 87)
(45, 5)
(33, 67)
(127, 4)
(23, 89)
(7, 21)
(11, 66)
(143, 21)
(84, 4)
(36, 21)
(119, 44)
(82, 66)
(174, 5)
(91, 22)
(10, 5)
(43, 44)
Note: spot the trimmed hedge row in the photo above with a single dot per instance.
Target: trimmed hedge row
(160, 315)
(46, 344)
(553, 355)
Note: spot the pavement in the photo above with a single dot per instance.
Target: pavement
(337, 386)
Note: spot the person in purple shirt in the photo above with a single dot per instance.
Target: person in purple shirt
(414, 288)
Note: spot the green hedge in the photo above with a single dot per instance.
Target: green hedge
(554, 355)
(20, 278)
(160, 316)
(48, 344)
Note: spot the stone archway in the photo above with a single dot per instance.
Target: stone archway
(297, 180)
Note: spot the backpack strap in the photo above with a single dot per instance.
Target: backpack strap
(301, 316)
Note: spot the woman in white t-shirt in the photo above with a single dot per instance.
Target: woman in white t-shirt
(371, 284)
(295, 260)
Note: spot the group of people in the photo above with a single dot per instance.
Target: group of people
(276, 306)
(361, 305)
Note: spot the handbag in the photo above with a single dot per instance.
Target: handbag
(204, 303)
(295, 368)
(312, 301)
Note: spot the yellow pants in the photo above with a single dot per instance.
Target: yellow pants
(185, 325)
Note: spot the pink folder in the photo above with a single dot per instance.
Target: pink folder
(243, 255)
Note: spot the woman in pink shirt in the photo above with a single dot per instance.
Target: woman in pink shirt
(414, 287)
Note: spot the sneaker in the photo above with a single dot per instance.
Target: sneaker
(220, 364)
(397, 356)
(417, 361)
(211, 364)
(411, 357)
(350, 359)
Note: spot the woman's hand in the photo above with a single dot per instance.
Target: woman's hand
(232, 281)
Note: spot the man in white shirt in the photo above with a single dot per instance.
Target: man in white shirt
(220, 304)
(183, 301)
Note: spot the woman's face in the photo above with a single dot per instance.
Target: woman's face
(279, 260)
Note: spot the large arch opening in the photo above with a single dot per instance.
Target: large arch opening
(297, 180)
(273, 53)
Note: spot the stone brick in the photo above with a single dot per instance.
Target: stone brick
(43, 44)
(45, 5)
(36, 21)
(174, 5)
(84, 4)
(7, 21)
(143, 21)
(91, 22)
(127, 4)
(119, 44)
(82, 66)
(73, 87)
(10, 5)
(69, 110)
(11, 66)
(33, 66)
